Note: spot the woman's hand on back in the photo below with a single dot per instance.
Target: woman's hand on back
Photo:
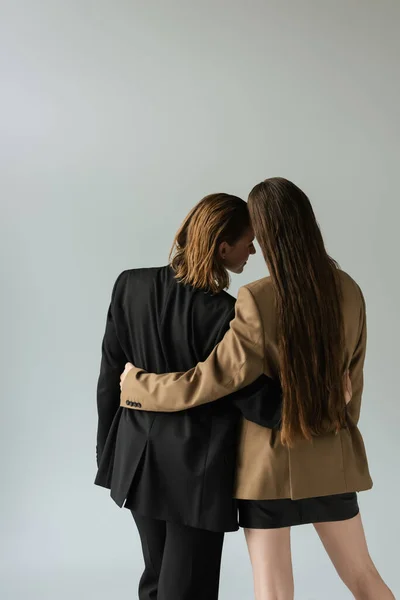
(128, 367)
(348, 390)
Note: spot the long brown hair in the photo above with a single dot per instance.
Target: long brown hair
(308, 304)
(194, 255)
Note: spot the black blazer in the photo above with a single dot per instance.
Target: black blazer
(177, 467)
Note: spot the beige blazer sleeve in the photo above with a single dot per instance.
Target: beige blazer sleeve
(234, 363)
(356, 366)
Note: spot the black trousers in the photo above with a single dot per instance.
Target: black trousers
(181, 563)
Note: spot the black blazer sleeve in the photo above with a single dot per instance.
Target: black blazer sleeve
(113, 361)
(261, 401)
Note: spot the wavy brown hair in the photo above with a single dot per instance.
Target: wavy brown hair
(194, 255)
(308, 304)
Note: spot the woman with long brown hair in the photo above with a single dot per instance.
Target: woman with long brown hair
(175, 472)
(305, 326)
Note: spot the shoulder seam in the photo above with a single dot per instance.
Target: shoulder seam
(262, 333)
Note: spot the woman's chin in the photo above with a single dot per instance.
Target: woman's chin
(238, 270)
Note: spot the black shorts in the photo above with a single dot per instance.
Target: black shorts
(272, 514)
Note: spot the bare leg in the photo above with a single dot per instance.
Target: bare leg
(346, 545)
(271, 560)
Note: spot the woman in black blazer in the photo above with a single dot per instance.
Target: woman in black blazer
(175, 471)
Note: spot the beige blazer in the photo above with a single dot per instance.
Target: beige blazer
(329, 464)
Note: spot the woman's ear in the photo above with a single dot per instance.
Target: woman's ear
(223, 250)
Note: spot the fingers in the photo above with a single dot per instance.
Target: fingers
(348, 387)
(128, 367)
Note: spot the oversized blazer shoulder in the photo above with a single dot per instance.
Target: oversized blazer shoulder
(329, 464)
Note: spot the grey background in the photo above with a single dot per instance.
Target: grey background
(116, 116)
